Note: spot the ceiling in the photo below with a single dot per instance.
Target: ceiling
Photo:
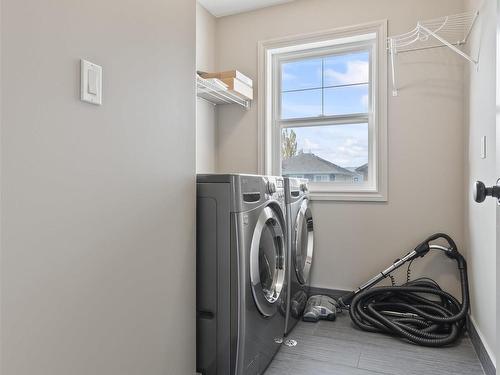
(220, 8)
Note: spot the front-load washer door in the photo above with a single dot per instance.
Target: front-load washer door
(267, 261)
(303, 244)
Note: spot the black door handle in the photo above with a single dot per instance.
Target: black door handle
(481, 192)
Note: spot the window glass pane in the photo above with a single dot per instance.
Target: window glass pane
(346, 99)
(296, 104)
(332, 153)
(347, 69)
(302, 74)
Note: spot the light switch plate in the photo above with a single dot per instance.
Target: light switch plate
(483, 147)
(91, 82)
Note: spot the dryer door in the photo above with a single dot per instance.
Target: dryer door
(267, 261)
(303, 243)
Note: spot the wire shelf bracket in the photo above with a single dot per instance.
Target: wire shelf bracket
(215, 95)
(449, 31)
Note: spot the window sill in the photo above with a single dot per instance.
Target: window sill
(361, 196)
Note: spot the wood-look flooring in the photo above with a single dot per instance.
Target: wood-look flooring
(337, 348)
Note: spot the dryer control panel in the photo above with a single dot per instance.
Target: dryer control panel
(296, 188)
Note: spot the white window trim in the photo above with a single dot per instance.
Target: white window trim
(329, 38)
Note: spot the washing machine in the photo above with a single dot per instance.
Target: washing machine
(241, 272)
(300, 229)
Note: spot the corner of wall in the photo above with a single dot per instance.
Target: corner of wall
(206, 129)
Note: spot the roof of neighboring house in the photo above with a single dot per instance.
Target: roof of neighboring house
(362, 168)
(312, 164)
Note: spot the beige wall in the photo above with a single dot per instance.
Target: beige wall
(206, 130)
(98, 252)
(480, 218)
(426, 138)
(497, 136)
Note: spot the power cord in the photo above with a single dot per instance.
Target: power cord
(408, 271)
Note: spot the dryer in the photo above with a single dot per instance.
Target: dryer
(300, 248)
(241, 272)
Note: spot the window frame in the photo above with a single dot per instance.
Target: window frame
(338, 41)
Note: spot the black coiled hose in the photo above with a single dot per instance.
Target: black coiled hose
(418, 311)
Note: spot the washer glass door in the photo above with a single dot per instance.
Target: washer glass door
(304, 242)
(267, 261)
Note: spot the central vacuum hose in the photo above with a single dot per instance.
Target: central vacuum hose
(419, 311)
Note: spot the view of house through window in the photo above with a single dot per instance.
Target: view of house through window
(336, 153)
(314, 91)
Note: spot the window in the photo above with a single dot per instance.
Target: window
(321, 178)
(323, 112)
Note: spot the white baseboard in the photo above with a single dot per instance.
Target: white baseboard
(485, 344)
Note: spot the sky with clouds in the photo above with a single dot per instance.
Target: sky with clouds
(344, 145)
(315, 87)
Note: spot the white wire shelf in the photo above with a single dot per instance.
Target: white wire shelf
(216, 95)
(451, 31)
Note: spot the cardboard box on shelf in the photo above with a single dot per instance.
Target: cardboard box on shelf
(238, 87)
(229, 74)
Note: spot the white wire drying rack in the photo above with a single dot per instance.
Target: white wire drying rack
(449, 31)
(215, 94)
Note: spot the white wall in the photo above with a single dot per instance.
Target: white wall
(481, 218)
(426, 138)
(206, 130)
(98, 216)
(497, 136)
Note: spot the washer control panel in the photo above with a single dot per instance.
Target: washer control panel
(257, 189)
(271, 187)
(276, 188)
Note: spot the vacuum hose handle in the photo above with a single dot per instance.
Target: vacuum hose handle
(419, 252)
(434, 237)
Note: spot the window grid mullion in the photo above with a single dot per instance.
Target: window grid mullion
(326, 87)
(360, 118)
(323, 86)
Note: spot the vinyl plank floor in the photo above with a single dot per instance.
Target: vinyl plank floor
(338, 348)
